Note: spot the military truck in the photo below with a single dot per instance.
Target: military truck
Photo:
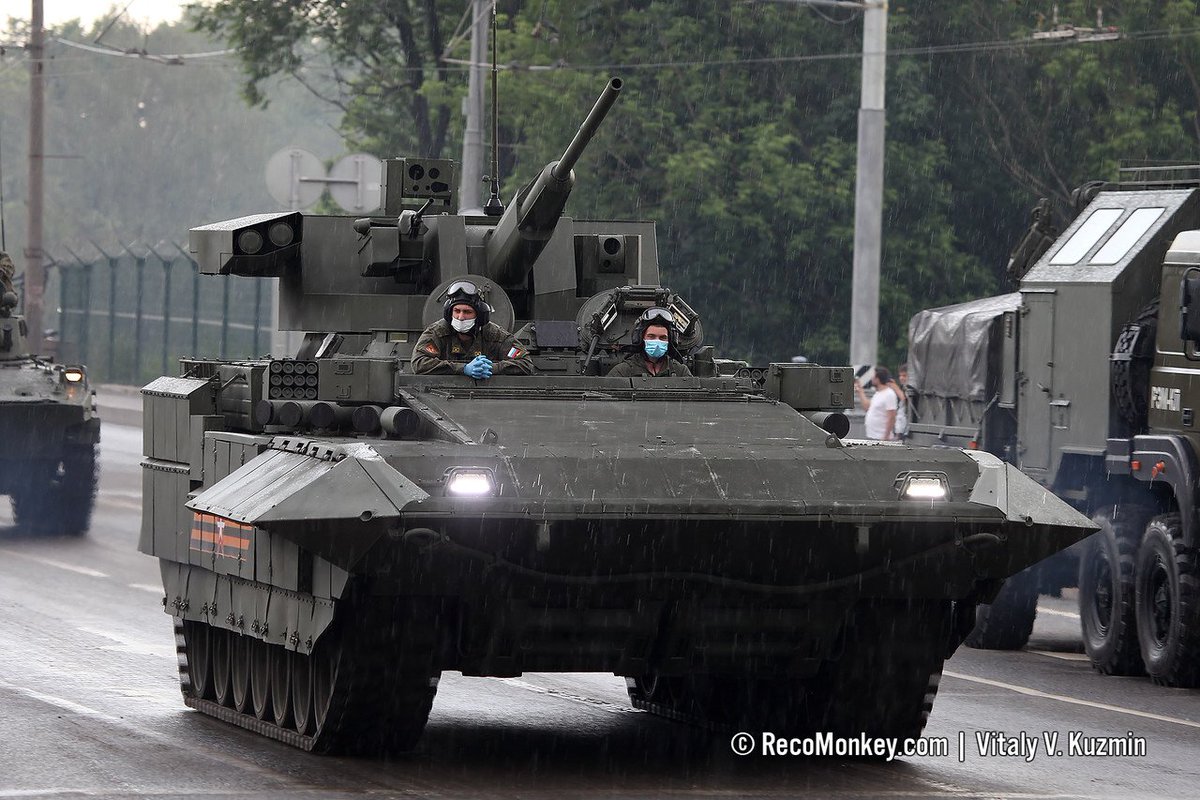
(50, 429)
(1087, 379)
(335, 531)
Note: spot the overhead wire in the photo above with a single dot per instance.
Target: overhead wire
(899, 52)
(928, 50)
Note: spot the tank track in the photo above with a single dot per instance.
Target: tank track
(378, 697)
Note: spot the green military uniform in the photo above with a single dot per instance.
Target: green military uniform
(634, 366)
(7, 271)
(440, 350)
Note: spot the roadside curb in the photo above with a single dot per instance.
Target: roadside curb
(119, 405)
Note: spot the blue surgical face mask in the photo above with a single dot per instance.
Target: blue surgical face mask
(654, 348)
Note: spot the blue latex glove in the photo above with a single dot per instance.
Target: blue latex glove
(479, 368)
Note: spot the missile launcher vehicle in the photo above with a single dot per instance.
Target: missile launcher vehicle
(335, 531)
(50, 428)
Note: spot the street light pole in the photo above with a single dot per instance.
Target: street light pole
(868, 190)
(470, 189)
(868, 180)
(34, 273)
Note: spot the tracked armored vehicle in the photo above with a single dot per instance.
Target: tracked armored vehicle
(335, 531)
(49, 431)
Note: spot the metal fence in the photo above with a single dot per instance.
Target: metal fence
(129, 316)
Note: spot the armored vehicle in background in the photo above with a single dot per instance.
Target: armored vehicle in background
(1088, 379)
(335, 531)
(49, 428)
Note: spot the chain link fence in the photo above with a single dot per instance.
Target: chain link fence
(130, 315)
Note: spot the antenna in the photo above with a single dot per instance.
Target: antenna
(495, 206)
(3, 237)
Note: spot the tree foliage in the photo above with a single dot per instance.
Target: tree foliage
(140, 151)
(743, 147)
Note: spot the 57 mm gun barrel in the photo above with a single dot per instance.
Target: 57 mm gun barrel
(587, 130)
(530, 220)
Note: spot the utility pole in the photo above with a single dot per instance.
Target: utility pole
(34, 274)
(473, 154)
(868, 190)
(868, 180)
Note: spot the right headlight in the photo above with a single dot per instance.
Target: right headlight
(931, 486)
(470, 482)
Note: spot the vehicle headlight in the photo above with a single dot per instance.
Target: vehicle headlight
(931, 486)
(73, 375)
(470, 481)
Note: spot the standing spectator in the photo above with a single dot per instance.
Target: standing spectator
(880, 422)
(900, 387)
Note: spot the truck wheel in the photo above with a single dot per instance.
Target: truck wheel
(1130, 367)
(58, 496)
(1006, 622)
(1106, 591)
(1168, 604)
(77, 483)
(33, 500)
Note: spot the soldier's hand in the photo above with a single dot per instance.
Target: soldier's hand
(479, 368)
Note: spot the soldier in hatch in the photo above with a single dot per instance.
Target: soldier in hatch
(464, 342)
(7, 271)
(655, 338)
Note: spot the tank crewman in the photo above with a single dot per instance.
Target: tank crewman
(655, 337)
(465, 342)
(7, 271)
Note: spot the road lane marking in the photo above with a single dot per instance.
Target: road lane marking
(1063, 656)
(60, 702)
(1057, 613)
(133, 646)
(1075, 701)
(191, 748)
(50, 562)
(602, 705)
(128, 505)
(146, 587)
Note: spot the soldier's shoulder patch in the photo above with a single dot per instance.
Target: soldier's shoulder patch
(515, 352)
(431, 348)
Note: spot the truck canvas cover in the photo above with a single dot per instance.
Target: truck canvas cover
(948, 347)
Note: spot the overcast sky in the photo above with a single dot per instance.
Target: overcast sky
(141, 11)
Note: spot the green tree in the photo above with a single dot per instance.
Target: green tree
(381, 64)
(743, 147)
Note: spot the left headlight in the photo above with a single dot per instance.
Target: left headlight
(74, 375)
(931, 486)
(470, 482)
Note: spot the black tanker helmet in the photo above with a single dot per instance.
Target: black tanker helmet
(468, 293)
(656, 316)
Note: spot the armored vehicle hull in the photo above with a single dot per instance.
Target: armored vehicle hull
(335, 530)
(50, 429)
(618, 527)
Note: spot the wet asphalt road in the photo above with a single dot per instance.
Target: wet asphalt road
(90, 707)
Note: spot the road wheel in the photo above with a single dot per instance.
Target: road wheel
(281, 685)
(1006, 622)
(196, 636)
(239, 673)
(260, 678)
(374, 678)
(219, 647)
(302, 694)
(1106, 592)
(1168, 604)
